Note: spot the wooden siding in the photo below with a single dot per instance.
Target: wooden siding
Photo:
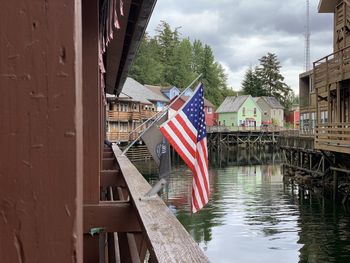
(333, 137)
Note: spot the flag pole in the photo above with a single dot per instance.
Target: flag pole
(160, 115)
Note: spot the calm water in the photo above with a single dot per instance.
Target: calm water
(253, 217)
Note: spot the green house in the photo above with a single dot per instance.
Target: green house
(239, 111)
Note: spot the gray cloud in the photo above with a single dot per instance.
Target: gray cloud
(241, 31)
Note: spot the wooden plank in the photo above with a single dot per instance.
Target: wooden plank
(168, 238)
(111, 178)
(330, 135)
(344, 143)
(111, 216)
(41, 147)
(135, 258)
(91, 102)
(332, 148)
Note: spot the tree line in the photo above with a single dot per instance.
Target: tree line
(166, 59)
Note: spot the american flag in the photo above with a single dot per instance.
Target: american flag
(186, 133)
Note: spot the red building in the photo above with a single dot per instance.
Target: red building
(209, 108)
(293, 117)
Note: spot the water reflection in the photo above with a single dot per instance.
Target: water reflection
(254, 217)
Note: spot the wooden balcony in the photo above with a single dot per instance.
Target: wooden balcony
(135, 115)
(330, 70)
(119, 115)
(118, 136)
(121, 136)
(333, 137)
(147, 114)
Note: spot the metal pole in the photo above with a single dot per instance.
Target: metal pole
(166, 108)
(160, 115)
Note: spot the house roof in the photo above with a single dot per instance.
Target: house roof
(139, 92)
(273, 102)
(121, 97)
(158, 90)
(232, 104)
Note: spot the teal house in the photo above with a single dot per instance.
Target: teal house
(239, 111)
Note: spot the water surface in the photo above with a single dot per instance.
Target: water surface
(253, 217)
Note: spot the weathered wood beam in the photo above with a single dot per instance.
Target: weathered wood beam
(111, 216)
(111, 178)
(41, 120)
(135, 258)
(91, 101)
(166, 236)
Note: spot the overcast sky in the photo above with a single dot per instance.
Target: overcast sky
(242, 31)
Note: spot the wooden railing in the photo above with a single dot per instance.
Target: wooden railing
(133, 115)
(147, 114)
(119, 115)
(122, 136)
(166, 240)
(331, 69)
(213, 129)
(333, 137)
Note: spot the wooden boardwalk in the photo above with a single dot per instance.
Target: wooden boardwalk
(313, 169)
(249, 138)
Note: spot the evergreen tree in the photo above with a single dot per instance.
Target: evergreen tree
(146, 67)
(271, 78)
(182, 73)
(252, 85)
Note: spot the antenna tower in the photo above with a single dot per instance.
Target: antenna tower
(307, 37)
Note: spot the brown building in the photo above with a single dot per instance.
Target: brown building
(307, 100)
(64, 195)
(331, 83)
(126, 112)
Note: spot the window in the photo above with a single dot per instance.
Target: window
(111, 106)
(209, 110)
(243, 111)
(113, 126)
(123, 107)
(255, 111)
(123, 127)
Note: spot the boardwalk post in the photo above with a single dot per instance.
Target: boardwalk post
(41, 167)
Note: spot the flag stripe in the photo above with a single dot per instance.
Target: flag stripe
(182, 131)
(187, 143)
(190, 132)
(173, 140)
(202, 161)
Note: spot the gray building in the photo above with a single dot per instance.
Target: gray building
(272, 110)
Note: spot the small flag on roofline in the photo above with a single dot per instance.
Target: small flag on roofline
(186, 132)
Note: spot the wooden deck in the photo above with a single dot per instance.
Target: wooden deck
(333, 137)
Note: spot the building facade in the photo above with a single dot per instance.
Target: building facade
(272, 111)
(239, 111)
(130, 109)
(292, 118)
(331, 83)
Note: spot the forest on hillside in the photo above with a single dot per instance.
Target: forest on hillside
(168, 59)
